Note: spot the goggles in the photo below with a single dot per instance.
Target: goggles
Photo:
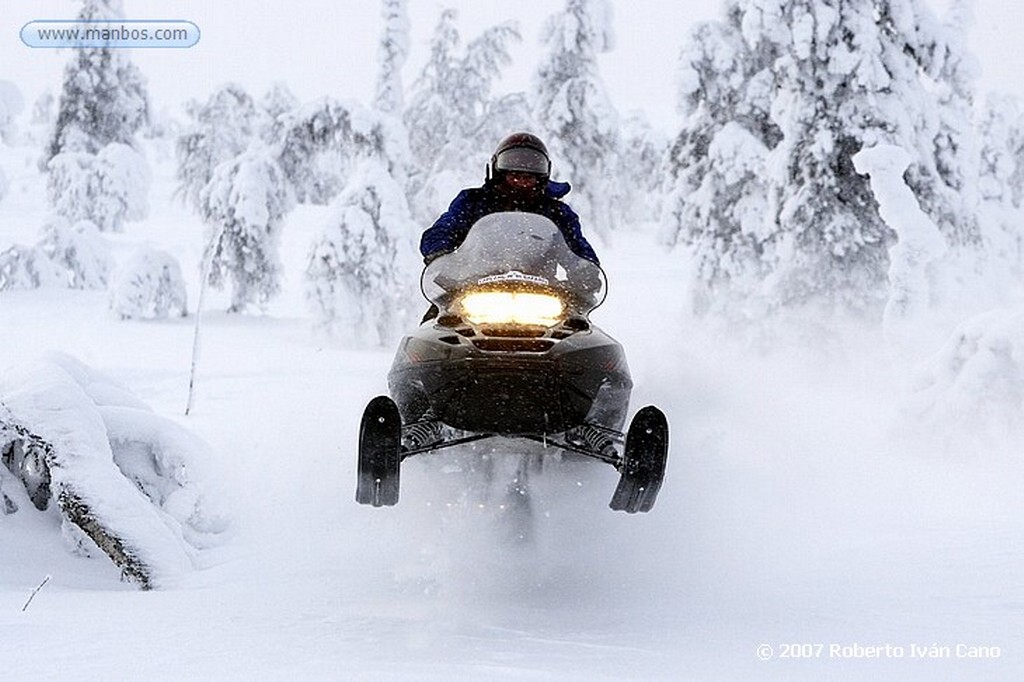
(523, 160)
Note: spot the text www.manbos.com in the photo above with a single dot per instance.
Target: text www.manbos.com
(49, 33)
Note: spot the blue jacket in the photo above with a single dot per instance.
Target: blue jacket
(448, 231)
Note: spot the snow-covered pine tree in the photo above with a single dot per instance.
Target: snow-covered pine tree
(572, 108)
(804, 86)
(107, 188)
(1001, 187)
(317, 145)
(219, 130)
(243, 205)
(389, 98)
(79, 251)
(429, 116)
(641, 160)
(42, 110)
(715, 196)
(1001, 151)
(29, 267)
(67, 255)
(149, 285)
(945, 180)
(361, 271)
(96, 172)
(103, 99)
(392, 53)
(11, 105)
(322, 139)
(452, 118)
(274, 108)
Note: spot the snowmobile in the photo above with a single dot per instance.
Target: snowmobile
(512, 354)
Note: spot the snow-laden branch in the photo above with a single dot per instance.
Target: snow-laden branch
(919, 242)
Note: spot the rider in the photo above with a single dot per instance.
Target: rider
(518, 179)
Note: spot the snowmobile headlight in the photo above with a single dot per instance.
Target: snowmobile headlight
(512, 307)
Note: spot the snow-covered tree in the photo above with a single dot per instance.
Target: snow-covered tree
(29, 267)
(779, 98)
(919, 243)
(970, 394)
(316, 148)
(67, 255)
(1001, 151)
(78, 249)
(103, 99)
(392, 53)
(149, 286)
(573, 110)
(42, 110)
(322, 139)
(716, 194)
(243, 205)
(220, 130)
(11, 104)
(1001, 185)
(452, 118)
(361, 271)
(945, 174)
(274, 106)
(95, 170)
(107, 188)
(640, 170)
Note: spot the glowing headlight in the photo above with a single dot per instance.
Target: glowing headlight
(506, 307)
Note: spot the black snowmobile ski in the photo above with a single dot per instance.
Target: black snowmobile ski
(643, 462)
(379, 453)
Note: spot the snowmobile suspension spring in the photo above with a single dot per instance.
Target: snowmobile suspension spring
(420, 434)
(595, 438)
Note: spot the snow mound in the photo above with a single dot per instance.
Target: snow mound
(149, 286)
(120, 473)
(108, 188)
(973, 388)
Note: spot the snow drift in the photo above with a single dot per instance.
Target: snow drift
(120, 474)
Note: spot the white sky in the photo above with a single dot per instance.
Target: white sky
(329, 47)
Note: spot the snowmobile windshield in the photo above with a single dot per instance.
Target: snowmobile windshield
(515, 254)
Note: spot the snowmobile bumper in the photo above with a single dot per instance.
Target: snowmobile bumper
(511, 387)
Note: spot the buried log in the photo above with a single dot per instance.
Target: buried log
(118, 473)
(77, 511)
(29, 458)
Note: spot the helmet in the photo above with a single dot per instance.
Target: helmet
(520, 152)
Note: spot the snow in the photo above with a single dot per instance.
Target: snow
(51, 405)
(796, 509)
(815, 494)
(977, 378)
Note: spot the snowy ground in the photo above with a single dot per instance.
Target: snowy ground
(800, 507)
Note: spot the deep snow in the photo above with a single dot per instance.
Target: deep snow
(802, 505)
(816, 494)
